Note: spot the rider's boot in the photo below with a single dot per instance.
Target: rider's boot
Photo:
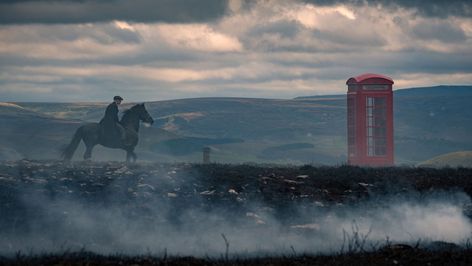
(123, 137)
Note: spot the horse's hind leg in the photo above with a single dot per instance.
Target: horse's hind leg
(88, 152)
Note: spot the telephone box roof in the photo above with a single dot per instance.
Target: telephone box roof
(366, 76)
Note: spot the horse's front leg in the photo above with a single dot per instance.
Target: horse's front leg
(88, 152)
(129, 155)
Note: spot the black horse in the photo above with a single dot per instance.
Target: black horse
(91, 134)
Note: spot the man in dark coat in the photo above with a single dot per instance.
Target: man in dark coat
(112, 130)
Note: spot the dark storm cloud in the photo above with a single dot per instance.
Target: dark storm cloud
(429, 8)
(413, 61)
(442, 31)
(174, 11)
(84, 11)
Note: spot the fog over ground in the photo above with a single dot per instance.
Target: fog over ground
(154, 50)
(69, 224)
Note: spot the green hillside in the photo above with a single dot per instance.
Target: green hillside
(453, 159)
(428, 122)
(25, 133)
(238, 129)
(432, 121)
(40, 133)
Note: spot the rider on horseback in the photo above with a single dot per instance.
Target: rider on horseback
(111, 129)
(93, 133)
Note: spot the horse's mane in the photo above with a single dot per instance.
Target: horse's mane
(132, 109)
(127, 113)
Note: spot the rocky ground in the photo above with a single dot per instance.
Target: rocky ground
(387, 256)
(286, 192)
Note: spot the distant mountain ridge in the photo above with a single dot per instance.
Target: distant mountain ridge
(428, 122)
(436, 90)
(419, 91)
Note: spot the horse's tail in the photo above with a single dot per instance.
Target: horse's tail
(68, 151)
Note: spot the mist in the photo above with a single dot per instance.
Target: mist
(148, 222)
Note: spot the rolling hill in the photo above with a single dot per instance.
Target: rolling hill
(26, 133)
(453, 159)
(32, 134)
(428, 122)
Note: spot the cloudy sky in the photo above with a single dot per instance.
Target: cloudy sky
(153, 50)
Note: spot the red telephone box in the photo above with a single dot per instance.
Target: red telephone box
(370, 120)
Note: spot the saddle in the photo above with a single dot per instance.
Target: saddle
(112, 136)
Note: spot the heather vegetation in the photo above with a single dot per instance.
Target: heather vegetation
(217, 214)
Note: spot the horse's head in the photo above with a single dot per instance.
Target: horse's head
(143, 114)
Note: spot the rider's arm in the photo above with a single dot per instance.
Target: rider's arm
(112, 112)
(115, 113)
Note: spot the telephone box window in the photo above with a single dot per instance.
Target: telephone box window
(376, 123)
